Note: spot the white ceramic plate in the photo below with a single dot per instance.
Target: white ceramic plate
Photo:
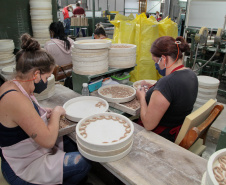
(105, 159)
(81, 107)
(117, 93)
(213, 162)
(136, 85)
(9, 70)
(105, 131)
(208, 82)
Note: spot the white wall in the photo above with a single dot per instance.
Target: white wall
(130, 5)
(209, 14)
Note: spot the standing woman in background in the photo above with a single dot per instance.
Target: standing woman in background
(166, 104)
(67, 20)
(28, 132)
(60, 45)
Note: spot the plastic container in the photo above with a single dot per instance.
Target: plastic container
(95, 85)
(123, 79)
(85, 90)
(108, 81)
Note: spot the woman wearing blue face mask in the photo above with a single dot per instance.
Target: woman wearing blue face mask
(166, 104)
(28, 132)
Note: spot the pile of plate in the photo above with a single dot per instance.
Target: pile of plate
(208, 87)
(105, 137)
(215, 173)
(41, 18)
(49, 91)
(6, 53)
(90, 57)
(122, 55)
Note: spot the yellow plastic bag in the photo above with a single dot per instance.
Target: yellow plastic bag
(168, 28)
(124, 31)
(146, 34)
(147, 31)
(142, 32)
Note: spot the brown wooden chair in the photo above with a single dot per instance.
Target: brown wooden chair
(195, 127)
(59, 74)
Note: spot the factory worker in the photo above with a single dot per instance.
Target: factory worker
(60, 45)
(99, 32)
(166, 104)
(28, 132)
(67, 20)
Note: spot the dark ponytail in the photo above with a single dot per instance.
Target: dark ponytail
(58, 29)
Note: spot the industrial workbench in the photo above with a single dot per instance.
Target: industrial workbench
(152, 160)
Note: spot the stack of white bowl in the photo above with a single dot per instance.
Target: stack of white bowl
(122, 55)
(41, 18)
(208, 87)
(6, 53)
(90, 57)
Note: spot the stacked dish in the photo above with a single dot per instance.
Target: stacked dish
(90, 57)
(41, 18)
(6, 53)
(9, 70)
(122, 55)
(49, 91)
(208, 87)
(104, 137)
(215, 173)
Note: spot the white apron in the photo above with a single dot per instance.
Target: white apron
(32, 162)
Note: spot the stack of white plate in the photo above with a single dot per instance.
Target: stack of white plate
(90, 57)
(49, 91)
(212, 176)
(104, 137)
(41, 18)
(122, 55)
(208, 87)
(6, 53)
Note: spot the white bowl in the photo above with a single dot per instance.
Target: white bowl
(136, 85)
(81, 107)
(109, 97)
(210, 178)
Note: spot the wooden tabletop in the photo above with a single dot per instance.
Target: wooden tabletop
(152, 160)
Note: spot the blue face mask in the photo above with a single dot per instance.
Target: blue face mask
(40, 86)
(161, 71)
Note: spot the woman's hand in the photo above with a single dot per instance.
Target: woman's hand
(58, 110)
(140, 93)
(146, 85)
(49, 112)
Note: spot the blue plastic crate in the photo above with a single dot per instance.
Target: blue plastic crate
(95, 85)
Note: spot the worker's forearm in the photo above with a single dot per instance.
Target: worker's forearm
(143, 109)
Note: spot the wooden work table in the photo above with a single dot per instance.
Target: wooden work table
(152, 160)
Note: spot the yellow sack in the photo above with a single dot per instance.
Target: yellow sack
(168, 28)
(147, 31)
(146, 34)
(142, 32)
(124, 29)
